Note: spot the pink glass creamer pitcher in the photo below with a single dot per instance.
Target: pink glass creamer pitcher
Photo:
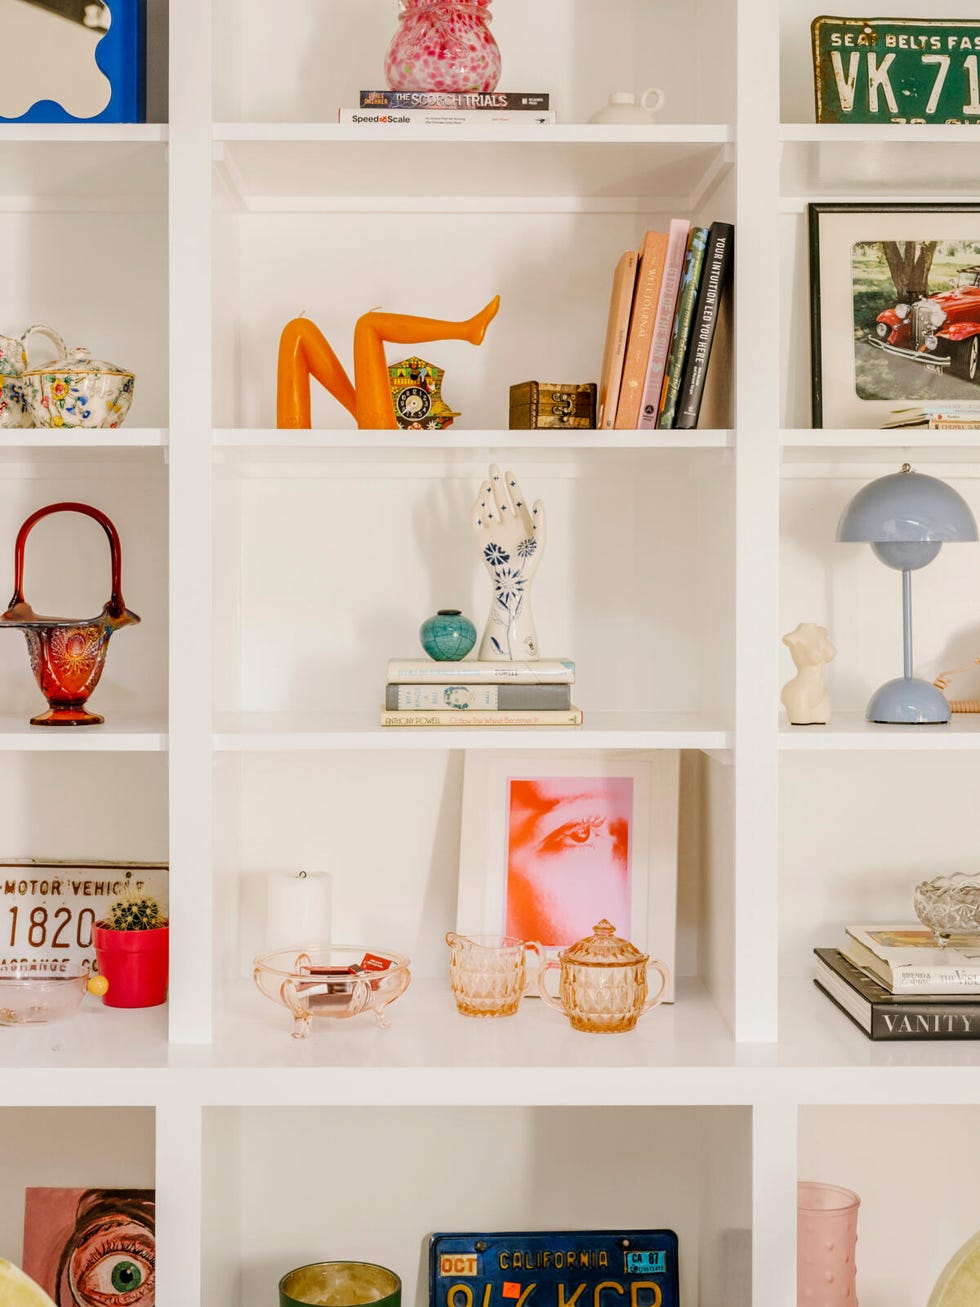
(443, 45)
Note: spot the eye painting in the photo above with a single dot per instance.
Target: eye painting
(568, 856)
(92, 1247)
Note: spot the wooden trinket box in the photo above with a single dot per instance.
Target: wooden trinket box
(536, 404)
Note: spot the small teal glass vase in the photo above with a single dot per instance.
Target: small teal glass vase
(447, 637)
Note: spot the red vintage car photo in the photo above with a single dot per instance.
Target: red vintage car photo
(941, 331)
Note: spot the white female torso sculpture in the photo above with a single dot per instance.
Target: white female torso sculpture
(805, 697)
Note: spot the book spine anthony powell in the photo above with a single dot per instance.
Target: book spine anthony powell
(664, 322)
(472, 718)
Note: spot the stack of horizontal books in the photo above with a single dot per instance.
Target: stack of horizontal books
(421, 692)
(895, 983)
(387, 109)
(669, 306)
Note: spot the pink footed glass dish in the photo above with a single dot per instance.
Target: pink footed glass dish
(32, 997)
(335, 982)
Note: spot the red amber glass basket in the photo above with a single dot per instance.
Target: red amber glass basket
(68, 654)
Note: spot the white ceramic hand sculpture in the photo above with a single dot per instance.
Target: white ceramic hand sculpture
(511, 539)
(805, 697)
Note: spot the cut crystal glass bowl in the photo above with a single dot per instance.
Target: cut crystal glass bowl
(949, 905)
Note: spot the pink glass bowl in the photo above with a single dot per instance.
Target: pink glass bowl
(29, 997)
(296, 978)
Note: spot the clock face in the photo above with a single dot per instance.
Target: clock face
(413, 403)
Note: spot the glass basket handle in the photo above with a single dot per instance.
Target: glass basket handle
(115, 607)
(661, 993)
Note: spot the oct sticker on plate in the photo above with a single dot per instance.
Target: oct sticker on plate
(896, 70)
(561, 1268)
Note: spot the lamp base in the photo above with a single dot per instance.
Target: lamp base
(910, 702)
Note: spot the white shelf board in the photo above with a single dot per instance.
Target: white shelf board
(815, 1033)
(878, 162)
(241, 732)
(38, 438)
(917, 445)
(91, 166)
(77, 133)
(881, 133)
(656, 169)
(427, 1031)
(95, 1036)
(350, 440)
(851, 731)
(584, 133)
(146, 733)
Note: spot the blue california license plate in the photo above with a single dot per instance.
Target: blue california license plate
(572, 1268)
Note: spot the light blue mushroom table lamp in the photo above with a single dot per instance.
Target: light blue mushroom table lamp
(907, 518)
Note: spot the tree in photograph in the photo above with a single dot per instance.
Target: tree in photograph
(909, 263)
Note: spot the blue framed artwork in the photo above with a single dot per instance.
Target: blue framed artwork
(76, 61)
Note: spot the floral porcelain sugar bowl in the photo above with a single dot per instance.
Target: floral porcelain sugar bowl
(76, 390)
(603, 984)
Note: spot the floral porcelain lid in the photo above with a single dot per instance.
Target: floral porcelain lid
(604, 948)
(79, 362)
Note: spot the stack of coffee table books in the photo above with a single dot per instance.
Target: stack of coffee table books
(421, 692)
(896, 983)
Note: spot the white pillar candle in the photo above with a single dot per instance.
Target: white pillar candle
(297, 909)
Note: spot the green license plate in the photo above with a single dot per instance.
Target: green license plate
(896, 70)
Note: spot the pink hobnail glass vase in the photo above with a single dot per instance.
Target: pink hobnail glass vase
(826, 1235)
(443, 45)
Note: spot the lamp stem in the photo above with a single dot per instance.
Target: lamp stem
(907, 622)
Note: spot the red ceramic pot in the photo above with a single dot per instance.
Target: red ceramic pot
(135, 963)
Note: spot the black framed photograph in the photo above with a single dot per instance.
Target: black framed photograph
(894, 312)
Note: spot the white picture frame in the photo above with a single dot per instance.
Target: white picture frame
(485, 870)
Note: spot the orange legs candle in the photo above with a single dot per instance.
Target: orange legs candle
(305, 352)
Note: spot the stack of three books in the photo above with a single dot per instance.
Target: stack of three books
(421, 692)
(895, 983)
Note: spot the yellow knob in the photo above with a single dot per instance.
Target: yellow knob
(98, 985)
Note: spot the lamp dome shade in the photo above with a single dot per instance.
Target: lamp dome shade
(907, 507)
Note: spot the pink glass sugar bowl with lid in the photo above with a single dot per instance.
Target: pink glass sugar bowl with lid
(603, 982)
(443, 45)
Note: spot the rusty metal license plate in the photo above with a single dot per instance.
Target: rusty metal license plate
(572, 1268)
(896, 70)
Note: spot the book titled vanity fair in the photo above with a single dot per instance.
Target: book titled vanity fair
(473, 671)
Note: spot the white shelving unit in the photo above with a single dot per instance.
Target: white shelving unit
(276, 571)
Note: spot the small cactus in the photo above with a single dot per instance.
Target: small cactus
(132, 911)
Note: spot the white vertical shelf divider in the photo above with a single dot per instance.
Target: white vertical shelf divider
(179, 1203)
(191, 819)
(756, 525)
(774, 1169)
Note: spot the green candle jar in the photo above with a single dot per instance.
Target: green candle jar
(340, 1284)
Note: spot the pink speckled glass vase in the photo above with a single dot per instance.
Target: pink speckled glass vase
(826, 1235)
(443, 45)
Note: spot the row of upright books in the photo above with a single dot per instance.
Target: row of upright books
(894, 982)
(668, 303)
(450, 109)
(421, 692)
